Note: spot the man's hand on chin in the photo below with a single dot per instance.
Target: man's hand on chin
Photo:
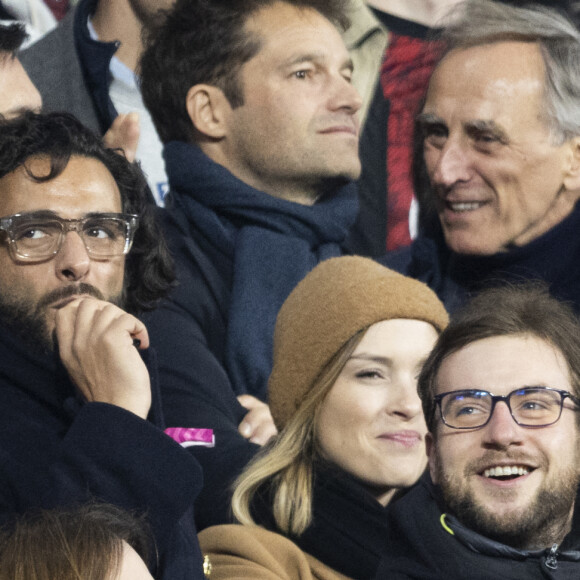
(96, 345)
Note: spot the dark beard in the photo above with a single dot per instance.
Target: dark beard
(544, 522)
(29, 322)
(28, 326)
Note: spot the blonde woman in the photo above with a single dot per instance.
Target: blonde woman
(349, 343)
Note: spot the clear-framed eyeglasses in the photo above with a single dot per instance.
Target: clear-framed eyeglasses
(529, 406)
(38, 236)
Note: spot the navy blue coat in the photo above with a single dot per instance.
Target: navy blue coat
(419, 545)
(552, 258)
(57, 450)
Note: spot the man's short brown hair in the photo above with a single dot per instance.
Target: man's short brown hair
(206, 42)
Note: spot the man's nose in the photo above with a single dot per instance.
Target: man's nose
(502, 430)
(344, 96)
(72, 262)
(449, 166)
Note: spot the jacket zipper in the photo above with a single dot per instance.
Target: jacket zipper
(552, 558)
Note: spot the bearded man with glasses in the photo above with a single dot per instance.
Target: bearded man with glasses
(500, 393)
(80, 415)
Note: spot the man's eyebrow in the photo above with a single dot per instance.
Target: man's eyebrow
(427, 119)
(473, 128)
(49, 214)
(478, 126)
(39, 214)
(303, 57)
(315, 57)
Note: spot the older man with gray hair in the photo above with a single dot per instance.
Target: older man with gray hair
(500, 138)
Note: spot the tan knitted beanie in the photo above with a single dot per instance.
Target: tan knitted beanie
(337, 299)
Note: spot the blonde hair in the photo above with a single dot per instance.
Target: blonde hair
(287, 462)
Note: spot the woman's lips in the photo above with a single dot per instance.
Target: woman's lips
(406, 438)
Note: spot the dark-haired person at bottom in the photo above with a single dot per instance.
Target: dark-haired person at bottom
(501, 394)
(92, 541)
(80, 415)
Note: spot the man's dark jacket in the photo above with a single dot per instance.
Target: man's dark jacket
(71, 70)
(56, 450)
(552, 258)
(239, 253)
(425, 543)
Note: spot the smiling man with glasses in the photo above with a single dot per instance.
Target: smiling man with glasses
(500, 392)
(80, 416)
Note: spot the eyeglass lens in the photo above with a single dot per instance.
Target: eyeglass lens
(102, 236)
(530, 406)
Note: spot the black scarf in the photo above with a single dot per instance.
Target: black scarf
(348, 526)
(272, 243)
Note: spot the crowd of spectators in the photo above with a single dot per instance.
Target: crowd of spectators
(288, 289)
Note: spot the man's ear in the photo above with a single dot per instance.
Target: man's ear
(572, 176)
(432, 456)
(209, 109)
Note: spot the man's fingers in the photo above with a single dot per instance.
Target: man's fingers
(245, 429)
(97, 351)
(250, 402)
(124, 134)
(86, 317)
(264, 433)
(140, 336)
(257, 425)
